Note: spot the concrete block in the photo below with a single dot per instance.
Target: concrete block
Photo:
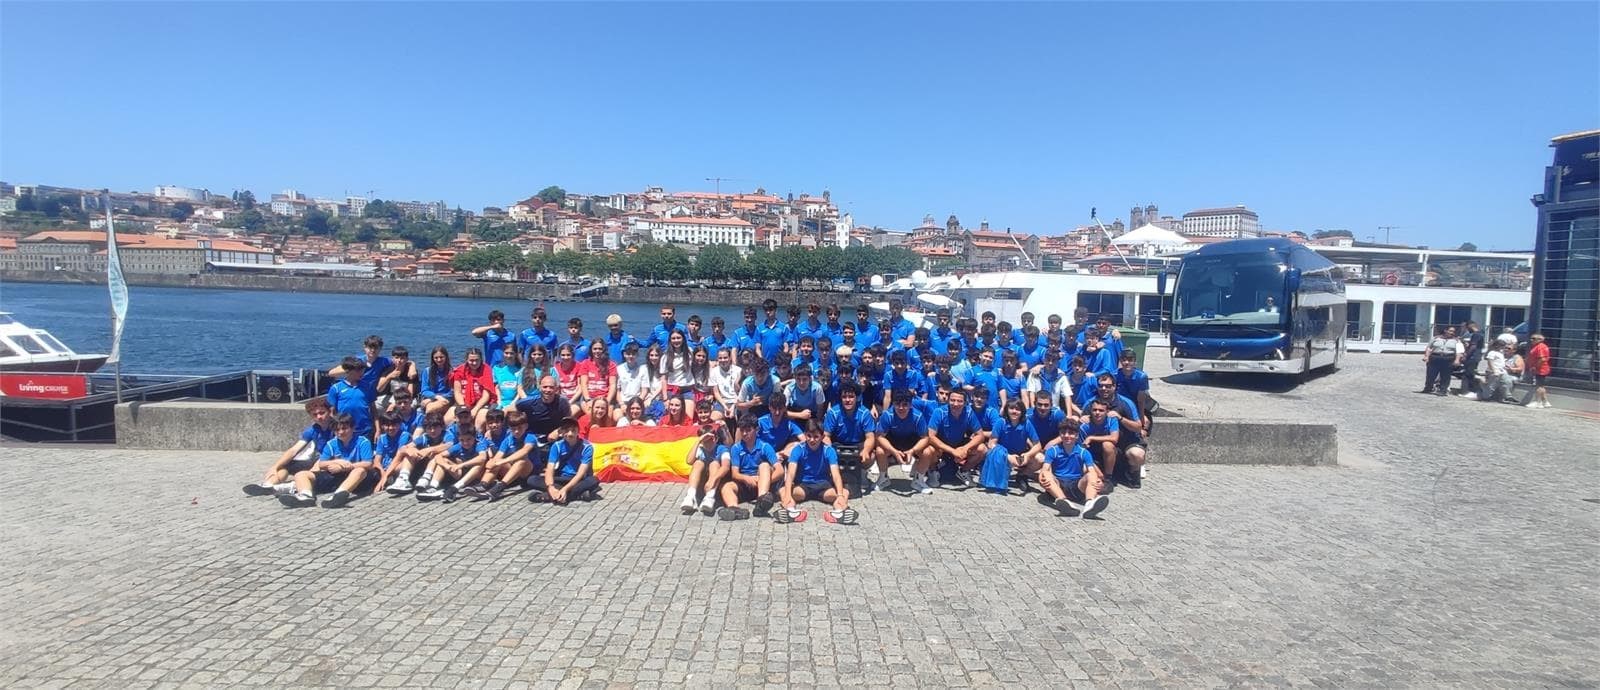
(209, 425)
(1243, 442)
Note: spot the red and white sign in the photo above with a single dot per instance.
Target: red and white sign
(48, 386)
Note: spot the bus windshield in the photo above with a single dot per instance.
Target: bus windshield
(1231, 289)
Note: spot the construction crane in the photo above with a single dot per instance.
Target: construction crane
(1387, 228)
(720, 180)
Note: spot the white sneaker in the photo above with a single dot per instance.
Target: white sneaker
(688, 504)
(920, 485)
(1469, 396)
(873, 473)
(1545, 405)
(882, 483)
(284, 488)
(709, 505)
(400, 486)
(1144, 471)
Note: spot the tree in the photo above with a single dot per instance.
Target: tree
(245, 198)
(315, 222)
(1323, 234)
(716, 262)
(659, 262)
(26, 204)
(378, 208)
(458, 222)
(587, 208)
(497, 257)
(897, 260)
(489, 232)
(181, 211)
(552, 195)
(1467, 247)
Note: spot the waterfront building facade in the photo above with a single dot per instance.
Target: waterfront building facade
(691, 230)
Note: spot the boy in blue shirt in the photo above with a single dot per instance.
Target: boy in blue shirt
(1130, 438)
(427, 443)
(376, 367)
(469, 452)
(349, 397)
(903, 440)
(660, 334)
(344, 467)
(495, 336)
(753, 469)
(537, 334)
(851, 431)
(900, 376)
(747, 338)
(1070, 477)
(775, 427)
(806, 398)
(707, 468)
(580, 344)
(814, 475)
(301, 455)
(392, 438)
(568, 471)
(495, 435)
(718, 340)
(771, 334)
(1100, 434)
(866, 332)
(512, 462)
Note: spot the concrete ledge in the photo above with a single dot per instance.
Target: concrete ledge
(209, 425)
(1243, 442)
(235, 426)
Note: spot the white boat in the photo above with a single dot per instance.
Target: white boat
(34, 349)
(1396, 296)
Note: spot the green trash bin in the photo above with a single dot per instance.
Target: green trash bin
(1136, 340)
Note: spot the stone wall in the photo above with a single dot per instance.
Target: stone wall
(448, 288)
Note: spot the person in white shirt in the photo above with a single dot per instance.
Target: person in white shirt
(725, 379)
(1442, 355)
(634, 377)
(1496, 384)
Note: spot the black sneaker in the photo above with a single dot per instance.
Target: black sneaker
(493, 493)
(966, 478)
(1132, 480)
(734, 513)
(764, 505)
(537, 496)
(257, 490)
(1065, 507)
(450, 493)
(295, 500)
(590, 495)
(337, 500)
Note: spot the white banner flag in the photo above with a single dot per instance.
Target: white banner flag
(118, 286)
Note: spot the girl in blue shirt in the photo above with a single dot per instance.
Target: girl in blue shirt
(437, 392)
(508, 376)
(1016, 446)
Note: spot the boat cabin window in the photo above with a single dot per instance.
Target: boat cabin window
(6, 319)
(31, 345)
(6, 350)
(51, 342)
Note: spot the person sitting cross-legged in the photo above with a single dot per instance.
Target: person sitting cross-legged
(1070, 476)
(568, 471)
(344, 468)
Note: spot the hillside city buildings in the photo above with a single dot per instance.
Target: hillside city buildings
(152, 240)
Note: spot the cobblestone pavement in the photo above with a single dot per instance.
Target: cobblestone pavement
(1456, 544)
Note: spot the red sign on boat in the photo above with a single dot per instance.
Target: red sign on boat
(48, 386)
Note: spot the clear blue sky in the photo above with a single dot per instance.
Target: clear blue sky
(1435, 117)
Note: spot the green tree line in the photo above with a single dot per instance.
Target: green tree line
(716, 264)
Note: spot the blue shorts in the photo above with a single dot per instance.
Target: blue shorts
(814, 490)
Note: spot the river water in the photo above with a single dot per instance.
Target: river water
(184, 330)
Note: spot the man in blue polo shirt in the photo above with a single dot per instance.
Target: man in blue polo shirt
(615, 338)
(900, 376)
(771, 334)
(814, 476)
(957, 437)
(775, 428)
(901, 329)
(850, 428)
(662, 331)
(866, 331)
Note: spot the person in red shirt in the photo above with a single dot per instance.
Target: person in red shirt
(598, 375)
(1539, 366)
(473, 386)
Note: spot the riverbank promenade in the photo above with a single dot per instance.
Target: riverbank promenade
(1456, 543)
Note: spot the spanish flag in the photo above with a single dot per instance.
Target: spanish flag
(643, 453)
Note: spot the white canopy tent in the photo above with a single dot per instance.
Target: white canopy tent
(1151, 235)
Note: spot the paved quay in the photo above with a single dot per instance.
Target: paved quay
(1457, 543)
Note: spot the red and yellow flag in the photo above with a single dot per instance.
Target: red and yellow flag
(643, 453)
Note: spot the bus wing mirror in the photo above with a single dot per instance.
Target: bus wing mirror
(1161, 283)
(1292, 280)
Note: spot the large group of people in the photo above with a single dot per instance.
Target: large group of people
(1489, 369)
(784, 411)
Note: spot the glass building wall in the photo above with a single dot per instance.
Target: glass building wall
(1566, 276)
